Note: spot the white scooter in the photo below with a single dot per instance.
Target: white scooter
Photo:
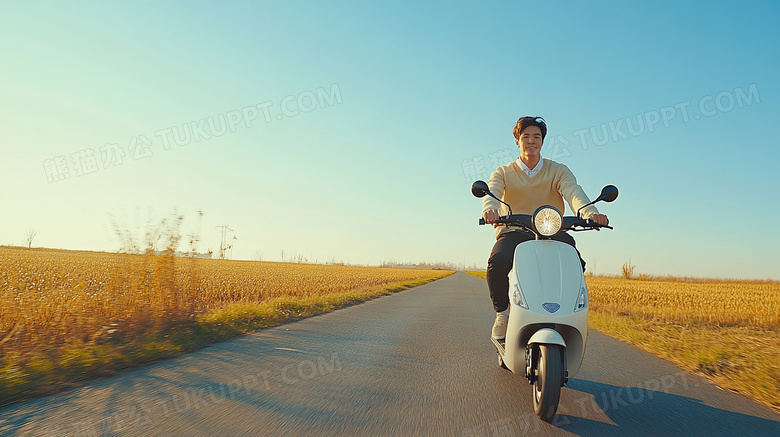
(548, 317)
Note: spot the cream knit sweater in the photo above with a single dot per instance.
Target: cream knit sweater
(554, 183)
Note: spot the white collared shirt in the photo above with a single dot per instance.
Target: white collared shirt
(531, 172)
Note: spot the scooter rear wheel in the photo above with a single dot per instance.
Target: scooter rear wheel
(547, 384)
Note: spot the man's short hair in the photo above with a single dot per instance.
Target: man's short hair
(527, 121)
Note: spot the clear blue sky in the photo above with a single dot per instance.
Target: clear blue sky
(379, 115)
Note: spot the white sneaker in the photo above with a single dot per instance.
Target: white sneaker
(499, 327)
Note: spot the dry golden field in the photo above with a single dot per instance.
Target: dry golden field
(50, 297)
(71, 315)
(718, 303)
(727, 331)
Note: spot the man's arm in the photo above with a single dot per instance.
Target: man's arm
(574, 194)
(491, 206)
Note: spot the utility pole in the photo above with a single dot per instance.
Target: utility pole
(223, 245)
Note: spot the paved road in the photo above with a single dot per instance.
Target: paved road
(414, 363)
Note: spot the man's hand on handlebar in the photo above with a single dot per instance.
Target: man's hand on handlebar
(599, 219)
(490, 217)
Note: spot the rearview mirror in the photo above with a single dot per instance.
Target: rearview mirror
(480, 189)
(608, 194)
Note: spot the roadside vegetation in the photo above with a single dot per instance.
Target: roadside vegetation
(725, 330)
(67, 316)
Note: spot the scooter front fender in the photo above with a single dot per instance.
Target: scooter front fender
(547, 336)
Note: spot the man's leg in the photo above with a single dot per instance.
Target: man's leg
(499, 265)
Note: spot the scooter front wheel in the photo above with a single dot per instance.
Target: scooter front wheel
(547, 384)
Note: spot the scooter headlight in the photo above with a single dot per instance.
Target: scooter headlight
(547, 220)
(517, 296)
(582, 299)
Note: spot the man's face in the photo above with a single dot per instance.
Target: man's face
(530, 142)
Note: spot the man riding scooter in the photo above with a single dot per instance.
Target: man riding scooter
(526, 184)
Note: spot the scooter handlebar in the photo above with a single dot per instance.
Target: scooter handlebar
(594, 225)
(568, 223)
(522, 220)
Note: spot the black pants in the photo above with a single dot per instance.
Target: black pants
(500, 263)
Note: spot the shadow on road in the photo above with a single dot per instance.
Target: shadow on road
(593, 408)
